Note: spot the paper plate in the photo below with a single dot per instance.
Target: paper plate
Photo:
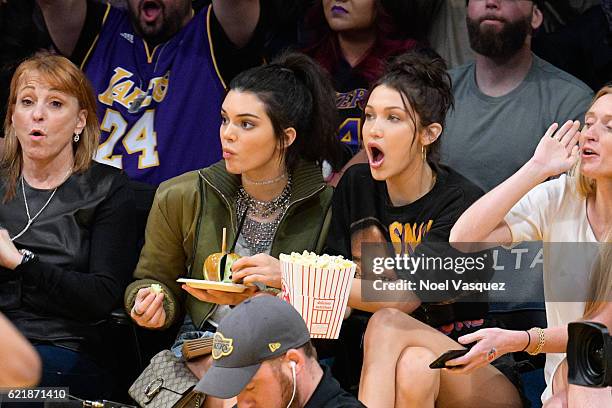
(207, 284)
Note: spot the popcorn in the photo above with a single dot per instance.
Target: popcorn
(156, 288)
(318, 287)
(311, 259)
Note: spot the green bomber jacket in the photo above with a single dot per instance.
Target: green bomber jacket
(186, 221)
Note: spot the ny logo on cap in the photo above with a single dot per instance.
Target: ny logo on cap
(221, 346)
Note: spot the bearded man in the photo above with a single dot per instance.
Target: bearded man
(504, 101)
(507, 97)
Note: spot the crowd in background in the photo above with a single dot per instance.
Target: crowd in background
(135, 131)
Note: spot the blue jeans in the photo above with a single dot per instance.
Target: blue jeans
(188, 331)
(67, 368)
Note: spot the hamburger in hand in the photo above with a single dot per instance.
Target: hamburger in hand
(218, 265)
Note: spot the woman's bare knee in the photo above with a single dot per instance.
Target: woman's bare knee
(415, 381)
(413, 366)
(385, 318)
(388, 321)
(379, 324)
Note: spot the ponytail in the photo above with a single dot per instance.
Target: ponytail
(297, 93)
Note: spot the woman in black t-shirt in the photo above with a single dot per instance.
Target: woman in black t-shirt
(404, 197)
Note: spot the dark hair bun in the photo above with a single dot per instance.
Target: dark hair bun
(421, 78)
(428, 70)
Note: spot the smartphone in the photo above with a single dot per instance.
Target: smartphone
(440, 362)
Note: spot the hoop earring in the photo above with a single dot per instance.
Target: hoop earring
(423, 154)
(76, 137)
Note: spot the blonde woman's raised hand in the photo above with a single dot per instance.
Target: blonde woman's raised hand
(558, 149)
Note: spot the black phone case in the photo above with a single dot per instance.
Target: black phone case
(440, 362)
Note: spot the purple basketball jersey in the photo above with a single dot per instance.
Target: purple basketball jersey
(159, 108)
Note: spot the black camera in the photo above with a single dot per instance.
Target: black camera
(589, 354)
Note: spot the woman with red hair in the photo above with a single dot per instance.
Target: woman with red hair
(352, 40)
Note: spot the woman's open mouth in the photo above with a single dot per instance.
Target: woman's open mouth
(376, 156)
(588, 153)
(37, 134)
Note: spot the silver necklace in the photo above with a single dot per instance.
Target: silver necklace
(262, 218)
(27, 208)
(264, 182)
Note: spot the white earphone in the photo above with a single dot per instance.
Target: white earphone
(292, 364)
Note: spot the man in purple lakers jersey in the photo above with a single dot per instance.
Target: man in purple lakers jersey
(159, 70)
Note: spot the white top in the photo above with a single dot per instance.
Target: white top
(555, 212)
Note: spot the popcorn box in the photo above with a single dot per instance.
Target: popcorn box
(318, 287)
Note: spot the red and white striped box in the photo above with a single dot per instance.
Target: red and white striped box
(319, 294)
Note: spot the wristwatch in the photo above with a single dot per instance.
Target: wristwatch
(27, 256)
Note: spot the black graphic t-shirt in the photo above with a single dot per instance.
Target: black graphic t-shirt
(363, 213)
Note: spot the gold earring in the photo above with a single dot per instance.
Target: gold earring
(424, 154)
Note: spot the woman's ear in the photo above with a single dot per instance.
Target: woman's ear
(290, 135)
(430, 133)
(81, 121)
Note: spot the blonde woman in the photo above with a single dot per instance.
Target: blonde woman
(598, 307)
(571, 208)
(66, 236)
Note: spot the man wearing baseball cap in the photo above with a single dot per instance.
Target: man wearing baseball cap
(262, 355)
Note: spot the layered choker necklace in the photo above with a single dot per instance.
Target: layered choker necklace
(262, 217)
(45, 205)
(263, 182)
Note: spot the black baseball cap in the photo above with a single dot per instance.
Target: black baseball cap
(258, 329)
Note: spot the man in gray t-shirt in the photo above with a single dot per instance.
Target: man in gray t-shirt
(507, 97)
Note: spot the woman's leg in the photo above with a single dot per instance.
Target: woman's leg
(566, 395)
(389, 333)
(559, 388)
(578, 396)
(381, 352)
(417, 385)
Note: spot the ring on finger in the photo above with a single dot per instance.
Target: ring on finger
(136, 312)
(492, 354)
